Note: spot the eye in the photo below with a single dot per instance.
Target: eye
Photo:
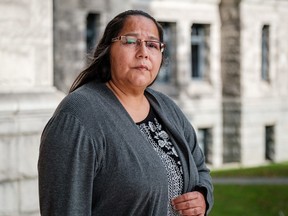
(153, 44)
(130, 40)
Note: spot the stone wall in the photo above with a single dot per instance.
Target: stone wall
(231, 79)
(234, 102)
(70, 51)
(27, 100)
(264, 102)
(199, 99)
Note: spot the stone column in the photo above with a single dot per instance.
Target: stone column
(69, 42)
(231, 79)
(27, 100)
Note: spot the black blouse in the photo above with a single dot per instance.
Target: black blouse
(153, 129)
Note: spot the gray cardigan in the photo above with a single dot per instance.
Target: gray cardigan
(94, 160)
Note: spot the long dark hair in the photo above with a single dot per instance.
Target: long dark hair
(99, 69)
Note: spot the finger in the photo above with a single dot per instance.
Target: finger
(192, 212)
(186, 205)
(194, 215)
(185, 197)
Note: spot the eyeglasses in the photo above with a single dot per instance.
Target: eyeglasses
(131, 41)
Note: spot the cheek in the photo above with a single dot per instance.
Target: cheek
(157, 64)
(118, 66)
(120, 60)
(116, 59)
(121, 63)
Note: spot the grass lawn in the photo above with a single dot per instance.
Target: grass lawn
(251, 200)
(272, 170)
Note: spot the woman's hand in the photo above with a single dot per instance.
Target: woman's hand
(192, 203)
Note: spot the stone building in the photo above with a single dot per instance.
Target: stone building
(27, 99)
(226, 66)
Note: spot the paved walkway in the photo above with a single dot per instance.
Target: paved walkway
(251, 181)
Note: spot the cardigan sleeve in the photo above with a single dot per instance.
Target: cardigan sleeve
(172, 111)
(205, 182)
(66, 168)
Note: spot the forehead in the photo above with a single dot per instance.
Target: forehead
(140, 25)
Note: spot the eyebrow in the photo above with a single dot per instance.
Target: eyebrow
(136, 34)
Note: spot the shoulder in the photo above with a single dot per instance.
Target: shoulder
(85, 100)
(81, 110)
(86, 106)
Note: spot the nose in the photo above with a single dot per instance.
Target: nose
(142, 50)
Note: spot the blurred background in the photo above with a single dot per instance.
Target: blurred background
(226, 66)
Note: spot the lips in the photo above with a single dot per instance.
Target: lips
(142, 67)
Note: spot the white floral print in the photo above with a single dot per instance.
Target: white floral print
(162, 144)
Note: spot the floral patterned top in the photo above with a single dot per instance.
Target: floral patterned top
(156, 134)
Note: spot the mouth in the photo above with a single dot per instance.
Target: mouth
(141, 67)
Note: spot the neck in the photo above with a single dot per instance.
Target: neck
(135, 102)
(125, 94)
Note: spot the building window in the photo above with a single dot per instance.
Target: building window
(265, 53)
(167, 71)
(200, 51)
(92, 31)
(269, 143)
(205, 143)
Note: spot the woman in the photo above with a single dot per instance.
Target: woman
(116, 147)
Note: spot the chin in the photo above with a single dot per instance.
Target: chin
(142, 83)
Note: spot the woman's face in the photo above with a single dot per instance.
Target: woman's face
(134, 67)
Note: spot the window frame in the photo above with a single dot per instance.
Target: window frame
(200, 62)
(92, 31)
(265, 53)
